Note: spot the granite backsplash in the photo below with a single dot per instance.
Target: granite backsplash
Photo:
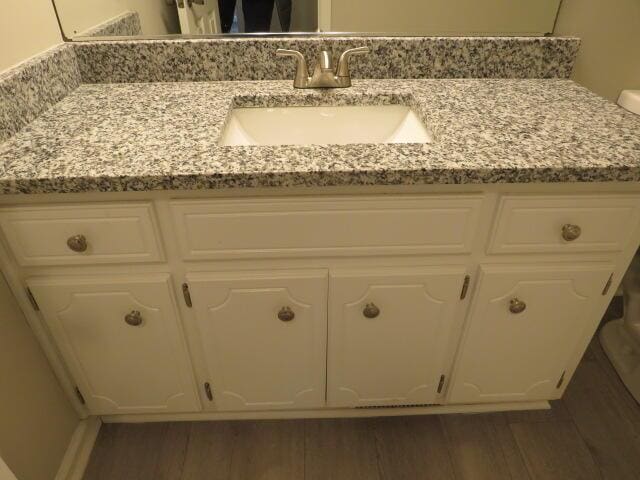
(390, 57)
(33, 86)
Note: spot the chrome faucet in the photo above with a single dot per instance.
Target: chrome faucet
(325, 75)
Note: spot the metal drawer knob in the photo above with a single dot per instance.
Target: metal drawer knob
(134, 318)
(77, 243)
(286, 314)
(370, 310)
(517, 306)
(570, 232)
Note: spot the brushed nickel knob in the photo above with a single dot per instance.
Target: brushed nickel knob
(371, 310)
(134, 318)
(286, 314)
(517, 306)
(570, 232)
(77, 243)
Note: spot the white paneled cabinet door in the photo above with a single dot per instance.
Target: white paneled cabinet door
(121, 339)
(525, 327)
(264, 337)
(389, 332)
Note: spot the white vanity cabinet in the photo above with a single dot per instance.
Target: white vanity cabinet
(263, 336)
(389, 331)
(121, 339)
(458, 299)
(525, 325)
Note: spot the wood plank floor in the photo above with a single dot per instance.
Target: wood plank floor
(592, 433)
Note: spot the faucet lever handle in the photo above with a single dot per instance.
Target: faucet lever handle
(302, 72)
(283, 52)
(343, 62)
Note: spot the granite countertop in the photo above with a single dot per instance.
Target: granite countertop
(155, 136)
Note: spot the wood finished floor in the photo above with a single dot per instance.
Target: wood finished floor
(592, 433)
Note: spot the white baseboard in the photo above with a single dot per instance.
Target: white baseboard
(326, 413)
(76, 458)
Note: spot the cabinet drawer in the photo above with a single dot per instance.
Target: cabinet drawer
(81, 234)
(581, 223)
(331, 226)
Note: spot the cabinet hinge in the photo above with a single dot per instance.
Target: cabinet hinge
(187, 295)
(561, 381)
(608, 285)
(465, 287)
(32, 300)
(208, 391)
(80, 397)
(441, 384)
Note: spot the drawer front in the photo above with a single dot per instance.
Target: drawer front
(332, 226)
(81, 234)
(569, 224)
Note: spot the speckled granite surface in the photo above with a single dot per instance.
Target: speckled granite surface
(34, 86)
(126, 24)
(164, 136)
(390, 57)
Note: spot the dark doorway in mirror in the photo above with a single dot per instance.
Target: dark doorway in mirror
(257, 15)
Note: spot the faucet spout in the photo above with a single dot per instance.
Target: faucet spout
(325, 60)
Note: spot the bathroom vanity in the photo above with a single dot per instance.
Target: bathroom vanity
(170, 277)
(164, 304)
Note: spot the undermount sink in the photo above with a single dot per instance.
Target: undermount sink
(340, 125)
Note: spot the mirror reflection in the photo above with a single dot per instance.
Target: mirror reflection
(152, 18)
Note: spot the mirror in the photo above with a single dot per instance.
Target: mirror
(89, 19)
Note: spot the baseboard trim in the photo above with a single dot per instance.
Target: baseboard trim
(76, 458)
(326, 413)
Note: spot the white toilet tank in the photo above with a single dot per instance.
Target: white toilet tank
(630, 100)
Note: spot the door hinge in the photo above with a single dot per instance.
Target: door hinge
(608, 285)
(80, 397)
(187, 295)
(465, 287)
(208, 391)
(32, 300)
(441, 384)
(561, 381)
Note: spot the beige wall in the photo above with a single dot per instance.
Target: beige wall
(609, 58)
(157, 17)
(304, 16)
(36, 419)
(433, 17)
(27, 27)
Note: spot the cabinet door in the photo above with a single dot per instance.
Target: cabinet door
(389, 332)
(525, 326)
(121, 339)
(264, 337)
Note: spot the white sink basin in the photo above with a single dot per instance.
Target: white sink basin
(324, 126)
